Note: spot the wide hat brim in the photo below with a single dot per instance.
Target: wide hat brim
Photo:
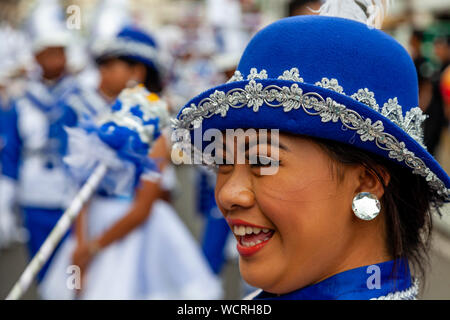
(306, 109)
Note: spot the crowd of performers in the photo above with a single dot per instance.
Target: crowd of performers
(128, 246)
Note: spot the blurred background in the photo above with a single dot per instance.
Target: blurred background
(200, 43)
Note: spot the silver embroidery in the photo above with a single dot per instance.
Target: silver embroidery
(411, 123)
(367, 97)
(393, 111)
(237, 76)
(331, 84)
(254, 74)
(254, 95)
(408, 294)
(293, 75)
(369, 131)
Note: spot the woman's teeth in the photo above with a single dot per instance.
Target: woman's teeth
(251, 236)
(253, 243)
(243, 230)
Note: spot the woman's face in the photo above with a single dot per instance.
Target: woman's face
(305, 229)
(115, 75)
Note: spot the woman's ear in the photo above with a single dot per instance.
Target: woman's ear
(373, 180)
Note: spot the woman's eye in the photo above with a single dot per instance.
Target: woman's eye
(223, 168)
(262, 161)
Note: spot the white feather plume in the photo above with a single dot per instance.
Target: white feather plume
(370, 12)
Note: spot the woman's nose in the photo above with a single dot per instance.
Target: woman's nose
(236, 192)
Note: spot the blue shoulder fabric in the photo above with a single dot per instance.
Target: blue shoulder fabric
(10, 155)
(83, 102)
(68, 118)
(354, 284)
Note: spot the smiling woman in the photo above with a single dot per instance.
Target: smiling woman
(299, 213)
(348, 209)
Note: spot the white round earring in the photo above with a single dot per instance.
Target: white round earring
(366, 206)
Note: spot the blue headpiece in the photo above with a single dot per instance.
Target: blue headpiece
(46, 26)
(329, 78)
(132, 43)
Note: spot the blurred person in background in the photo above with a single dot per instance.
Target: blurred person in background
(445, 144)
(422, 68)
(445, 90)
(431, 93)
(15, 61)
(33, 175)
(122, 62)
(138, 232)
(303, 7)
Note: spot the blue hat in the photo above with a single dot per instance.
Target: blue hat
(131, 42)
(330, 78)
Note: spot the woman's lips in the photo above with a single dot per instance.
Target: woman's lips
(251, 237)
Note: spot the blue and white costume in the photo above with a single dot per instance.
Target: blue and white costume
(15, 58)
(85, 102)
(32, 164)
(33, 173)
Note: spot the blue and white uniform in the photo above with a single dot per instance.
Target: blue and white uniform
(35, 143)
(85, 102)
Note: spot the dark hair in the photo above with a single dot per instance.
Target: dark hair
(406, 203)
(295, 4)
(152, 80)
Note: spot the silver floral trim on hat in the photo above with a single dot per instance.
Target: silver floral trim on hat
(412, 123)
(254, 95)
(237, 76)
(330, 84)
(292, 75)
(368, 98)
(407, 294)
(253, 75)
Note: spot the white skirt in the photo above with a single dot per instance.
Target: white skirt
(158, 260)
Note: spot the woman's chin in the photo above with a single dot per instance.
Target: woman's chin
(257, 275)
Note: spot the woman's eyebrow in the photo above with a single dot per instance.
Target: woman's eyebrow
(248, 143)
(267, 141)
